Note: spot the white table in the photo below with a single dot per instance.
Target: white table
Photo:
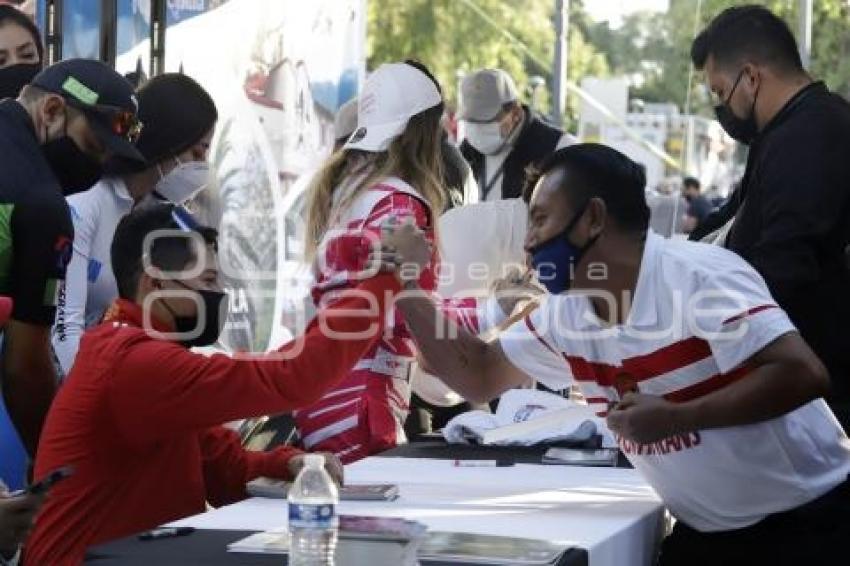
(611, 512)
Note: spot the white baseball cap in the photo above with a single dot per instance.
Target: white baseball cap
(345, 121)
(392, 95)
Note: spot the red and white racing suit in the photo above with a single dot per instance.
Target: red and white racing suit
(365, 413)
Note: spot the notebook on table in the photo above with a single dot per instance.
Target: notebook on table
(469, 548)
(581, 456)
(377, 541)
(278, 489)
(396, 542)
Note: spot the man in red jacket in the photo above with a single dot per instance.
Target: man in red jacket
(139, 415)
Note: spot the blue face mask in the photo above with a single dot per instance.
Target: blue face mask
(554, 259)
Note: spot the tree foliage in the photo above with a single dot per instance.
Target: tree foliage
(654, 48)
(450, 36)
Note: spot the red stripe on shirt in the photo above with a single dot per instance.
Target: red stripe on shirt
(667, 359)
(662, 361)
(537, 335)
(750, 312)
(639, 368)
(713, 383)
(585, 370)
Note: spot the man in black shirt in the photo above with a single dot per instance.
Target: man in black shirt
(698, 206)
(792, 211)
(53, 141)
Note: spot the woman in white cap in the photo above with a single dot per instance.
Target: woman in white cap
(178, 119)
(391, 166)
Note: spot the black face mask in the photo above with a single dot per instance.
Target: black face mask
(75, 170)
(212, 302)
(15, 77)
(743, 130)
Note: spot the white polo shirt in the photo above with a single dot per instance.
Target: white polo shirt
(699, 313)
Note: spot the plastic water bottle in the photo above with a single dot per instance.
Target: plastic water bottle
(313, 522)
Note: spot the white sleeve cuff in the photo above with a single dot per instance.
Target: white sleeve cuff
(490, 315)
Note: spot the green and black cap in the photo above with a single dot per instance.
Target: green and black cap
(104, 96)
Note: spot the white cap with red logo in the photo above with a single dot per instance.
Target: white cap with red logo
(392, 95)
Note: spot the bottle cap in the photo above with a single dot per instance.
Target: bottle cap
(314, 461)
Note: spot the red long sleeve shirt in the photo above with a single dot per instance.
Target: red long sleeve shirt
(139, 418)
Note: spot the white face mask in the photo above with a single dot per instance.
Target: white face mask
(183, 182)
(485, 137)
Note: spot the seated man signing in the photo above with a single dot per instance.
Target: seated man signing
(139, 415)
(716, 399)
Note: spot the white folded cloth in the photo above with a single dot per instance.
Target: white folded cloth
(576, 426)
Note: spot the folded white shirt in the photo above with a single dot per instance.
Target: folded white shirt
(558, 420)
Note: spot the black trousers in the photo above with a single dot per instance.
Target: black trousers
(815, 534)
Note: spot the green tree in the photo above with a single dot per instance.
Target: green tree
(452, 35)
(654, 48)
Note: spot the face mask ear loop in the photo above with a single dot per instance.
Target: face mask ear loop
(755, 99)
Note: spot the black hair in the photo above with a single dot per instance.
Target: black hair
(598, 171)
(168, 253)
(426, 71)
(747, 32)
(692, 182)
(11, 14)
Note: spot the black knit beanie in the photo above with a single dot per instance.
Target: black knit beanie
(176, 112)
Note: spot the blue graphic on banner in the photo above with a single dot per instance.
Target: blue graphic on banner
(182, 10)
(80, 29)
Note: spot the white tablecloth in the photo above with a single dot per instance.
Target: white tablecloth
(611, 512)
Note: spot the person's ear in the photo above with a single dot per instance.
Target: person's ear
(597, 217)
(148, 284)
(53, 115)
(517, 113)
(752, 76)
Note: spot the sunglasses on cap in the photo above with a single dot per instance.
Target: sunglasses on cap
(120, 122)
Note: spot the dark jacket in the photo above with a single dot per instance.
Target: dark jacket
(455, 173)
(793, 223)
(536, 140)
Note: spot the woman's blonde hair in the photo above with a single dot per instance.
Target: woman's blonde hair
(414, 157)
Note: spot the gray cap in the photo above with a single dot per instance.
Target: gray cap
(346, 120)
(484, 93)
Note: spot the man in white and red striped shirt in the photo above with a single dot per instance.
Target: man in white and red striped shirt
(716, 398)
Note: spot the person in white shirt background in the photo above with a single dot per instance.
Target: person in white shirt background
(713, 395)
(178, 119)
(502, 137)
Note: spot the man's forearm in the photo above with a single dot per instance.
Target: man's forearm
(450, 352)
(767, 392)
(28, 395)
